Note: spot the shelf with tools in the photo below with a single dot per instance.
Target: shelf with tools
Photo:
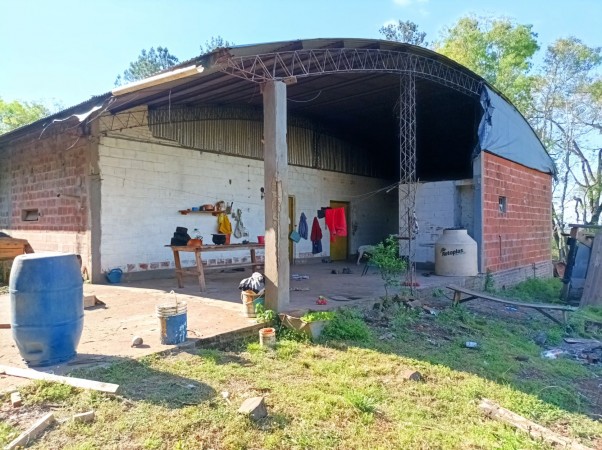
(188, 211)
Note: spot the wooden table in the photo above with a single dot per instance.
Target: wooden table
(199, 271)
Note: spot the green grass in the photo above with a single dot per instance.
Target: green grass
(347, 392)
(536, 290)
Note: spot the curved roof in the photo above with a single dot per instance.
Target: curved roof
(364, 92)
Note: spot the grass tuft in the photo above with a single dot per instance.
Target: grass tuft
(347, 325)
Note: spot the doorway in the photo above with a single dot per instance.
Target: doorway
(339, 249)
(291, 227)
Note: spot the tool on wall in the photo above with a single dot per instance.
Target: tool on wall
(239, 228)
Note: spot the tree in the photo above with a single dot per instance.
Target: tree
(567, 115)
(406, 32)
(214, 43)
(385, 256)
(16, 114)
(147, 64)
(497, 49)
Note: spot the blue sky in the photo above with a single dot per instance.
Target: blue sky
(69, 50)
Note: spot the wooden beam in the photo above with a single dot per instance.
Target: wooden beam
(4, 326)
(536, 431)
(482, 295)
(71, 381)
(25, 438)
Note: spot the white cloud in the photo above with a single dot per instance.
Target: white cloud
(390, 22)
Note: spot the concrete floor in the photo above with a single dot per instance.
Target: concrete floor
(130, 310)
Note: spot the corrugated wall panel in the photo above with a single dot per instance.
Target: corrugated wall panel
(239, 131)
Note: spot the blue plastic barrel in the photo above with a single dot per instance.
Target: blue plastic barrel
(47, 309)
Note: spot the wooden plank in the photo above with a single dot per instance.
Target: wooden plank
(5, 326)
(592, 289)
(536, 431)
(511, 302)
(549, 316)
(25, 438)
(71, 381)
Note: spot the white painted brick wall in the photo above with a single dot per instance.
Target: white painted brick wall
(145, 184)
(439, 205)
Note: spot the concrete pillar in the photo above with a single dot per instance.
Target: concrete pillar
(275, 161)
(95, 205)
(479, 202)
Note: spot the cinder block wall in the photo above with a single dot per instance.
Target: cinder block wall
(33, 172)
(439, 205)
(521, 236)
(145, 181)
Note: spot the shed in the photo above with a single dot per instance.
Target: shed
(393, 133)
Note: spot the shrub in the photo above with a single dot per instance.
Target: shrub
(385, 257)
(347, 325)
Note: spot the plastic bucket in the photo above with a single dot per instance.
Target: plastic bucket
(47, 308)
(173, 320)
(114, 275)
(267, 337)
(250, 300)
(261, 240)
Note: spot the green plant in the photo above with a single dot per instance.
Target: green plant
(545, 290)
(347, 325)
(314, 316)
(437, 292)
(488, 285)
(385, 257)
(46, 391)
(263, 315)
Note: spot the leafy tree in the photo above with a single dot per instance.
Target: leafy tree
(497, 49)
(214, 43)
(385, 256)
(147, 64)
(406, 32)
(567, 113)
(16, 114)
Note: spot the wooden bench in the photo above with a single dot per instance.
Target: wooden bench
(539, 307)
(199, 270)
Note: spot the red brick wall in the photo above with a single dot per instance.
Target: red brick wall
(522, 235)
(38, 169)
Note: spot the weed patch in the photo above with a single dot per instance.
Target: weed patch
(534, 290)
(347, 325)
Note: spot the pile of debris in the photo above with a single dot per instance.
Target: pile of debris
(586, 351)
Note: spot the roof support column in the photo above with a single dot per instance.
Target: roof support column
(408, 222)
(275, 161)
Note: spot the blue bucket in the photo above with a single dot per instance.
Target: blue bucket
(173, 320)
(47, 308)
(114, 275)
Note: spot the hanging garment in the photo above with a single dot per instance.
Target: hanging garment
(303, 226)
(316, 237)
(223, 224)
(336, 222)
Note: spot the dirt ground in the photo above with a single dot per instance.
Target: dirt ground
(130, 310)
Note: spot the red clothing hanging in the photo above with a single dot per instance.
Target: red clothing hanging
(336, 222)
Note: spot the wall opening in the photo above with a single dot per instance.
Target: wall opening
(502, 204)
(30, 215)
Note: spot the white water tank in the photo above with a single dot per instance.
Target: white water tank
(456, 254)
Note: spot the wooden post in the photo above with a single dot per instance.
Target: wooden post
(457, 297)
(275, 160)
